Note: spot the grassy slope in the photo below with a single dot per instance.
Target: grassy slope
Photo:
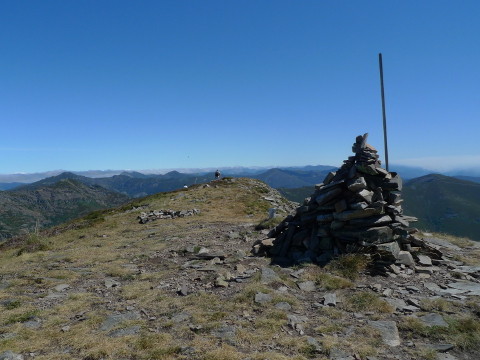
(118, 246)
(148, 262)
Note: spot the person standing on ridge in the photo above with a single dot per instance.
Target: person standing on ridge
(217, 174)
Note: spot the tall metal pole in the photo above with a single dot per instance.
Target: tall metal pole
(383, 111)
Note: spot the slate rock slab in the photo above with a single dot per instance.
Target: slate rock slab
(33, 323)
(446, 357)
(424, 260)
(268, 276)
(388, 330)
(433, 319)
(441, 242)
(6, 336)
(433, 287)
(438, 347)
(405, 258)
(307, 286)
(315, 344)
(397, 304)
(468, 269)
(296, 323)
(61, 287)
(183, 290)
(132, 330)
(115, 319)
(339, 354)
(111, 283)
(330, 299)
(262, 298)
(471, 288)
(226, 333)
(178, 318)
(4, 285)
(9, 355)
(283, 306)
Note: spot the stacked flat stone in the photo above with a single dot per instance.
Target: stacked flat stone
(356, 209)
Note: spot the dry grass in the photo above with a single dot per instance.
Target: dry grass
(366, 301)
(85, 255)
(462, 331)
(349, 266)
(462, 242)
(438, 305)
(146, 259)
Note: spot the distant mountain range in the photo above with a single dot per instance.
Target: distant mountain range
(281, 178)
(23, 209)
(442, 203)
(132, 184)
(407, 172)
(135, 184)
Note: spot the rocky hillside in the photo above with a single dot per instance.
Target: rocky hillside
(171, 276)
(26, 208)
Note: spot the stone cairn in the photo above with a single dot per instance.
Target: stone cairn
(355, 209)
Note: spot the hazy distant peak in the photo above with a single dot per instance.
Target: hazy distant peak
(133, 174)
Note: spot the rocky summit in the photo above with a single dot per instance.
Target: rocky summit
(357, 209)
(184, 285)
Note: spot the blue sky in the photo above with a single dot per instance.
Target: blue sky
(188, 84)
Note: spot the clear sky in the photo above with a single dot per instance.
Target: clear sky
(97, 84)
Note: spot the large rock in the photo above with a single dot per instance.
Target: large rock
(9, 355)
(377, 235)
(262, 298)
(433, 319)
(324, 198)
(405, 258)
(113, 320)
(356, 214)
(356, 185)
(390, 249)
(388, 330)
(371, 221)
(268, 276)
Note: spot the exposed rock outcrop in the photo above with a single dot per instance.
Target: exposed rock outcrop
(165, 214)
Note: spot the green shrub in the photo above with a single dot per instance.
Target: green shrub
(12, 304)
(33, 243)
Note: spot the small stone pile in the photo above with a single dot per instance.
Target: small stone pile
(165, 214)
(356, 209)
